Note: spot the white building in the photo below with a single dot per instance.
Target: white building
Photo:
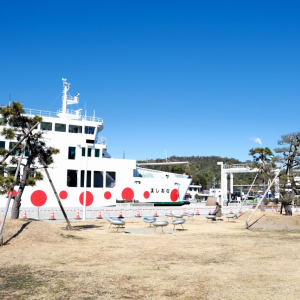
(193, 190)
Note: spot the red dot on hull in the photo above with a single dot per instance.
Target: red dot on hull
(128, 194)
(146, 195)
(14, 193)
(107, 195)
(63, 195)
(174, 195)
(38, 198)
(89, 198)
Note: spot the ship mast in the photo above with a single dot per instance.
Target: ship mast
(64, 95)
(67, 100)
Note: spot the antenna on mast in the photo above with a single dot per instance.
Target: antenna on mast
(166, 156)
(64, 97)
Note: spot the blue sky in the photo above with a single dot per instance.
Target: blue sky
(186, 77)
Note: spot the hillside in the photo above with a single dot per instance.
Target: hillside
(203, 169)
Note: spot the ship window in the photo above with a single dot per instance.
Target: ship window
(16, 152)
(75, 129)
(2, 144)
(97, 152)
(89, 130)
(110, 179)
(46, 126)
(83, 151)
(12, 172)
(98, 179)
(72, 152)
(27, 151)
(89, 152)
(72, 178)
(88, 182)
(60, 127)
(30, 173)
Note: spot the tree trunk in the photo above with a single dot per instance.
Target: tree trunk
(288, 210)
(17, 202)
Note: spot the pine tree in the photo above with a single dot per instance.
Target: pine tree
(35, 147)
(263, 161)
(290, 154)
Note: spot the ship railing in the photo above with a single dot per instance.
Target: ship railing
(52, 114)
(101, 140)
(143, 172)
(72, 98)
(237, 166)
(41, 113)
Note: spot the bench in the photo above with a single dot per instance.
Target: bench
(214, 218)
(169, 215)
(178, 222)
(160, 224)
(118, 223)
(178, 216)
(190, 215)
(231, 216)
(149, 220)
(211, 218)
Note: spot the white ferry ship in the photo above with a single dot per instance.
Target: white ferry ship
(83, 151)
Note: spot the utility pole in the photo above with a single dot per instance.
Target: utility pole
(214, 186)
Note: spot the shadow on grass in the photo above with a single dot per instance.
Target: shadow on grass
(71, 236)
(17, 233)
(85, 227)
(255, 221)
(18, 279)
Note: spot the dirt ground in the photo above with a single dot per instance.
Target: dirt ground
(207, 260)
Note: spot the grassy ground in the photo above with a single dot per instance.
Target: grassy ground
(207, 261)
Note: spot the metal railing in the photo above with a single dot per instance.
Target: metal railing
(41, 113)
(142, 172)
(101, 140)
(52, 114)
(238, 166)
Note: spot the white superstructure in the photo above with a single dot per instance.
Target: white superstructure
(84, 151)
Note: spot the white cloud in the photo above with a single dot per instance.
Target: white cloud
(256, 140)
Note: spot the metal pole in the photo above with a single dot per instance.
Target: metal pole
(69, 226)
(249, 191)
(85, 183)
(263, 197)
(9, 197)
(222, 183)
